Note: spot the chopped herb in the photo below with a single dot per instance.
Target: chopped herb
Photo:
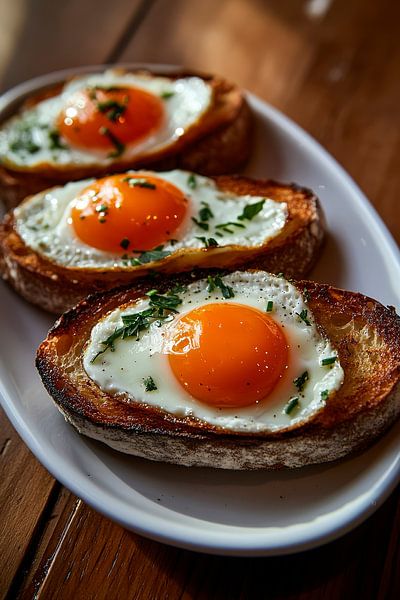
(166, 95)
(148, 256)
(149, 384)
(161, 307)
(214, 282)
(192, 181)
(24, 142)
(205, 213)
(208, 242)
(119, 146)
(328, 361)
(124, 243)
(300, 381)
(324, 395)
(204, 226)
(227, 226)
(55, 140)
(291, 405)
(112, 109)
(139, 182)
(270, 306)
(251, 210)
(303, 316)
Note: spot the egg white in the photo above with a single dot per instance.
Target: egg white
(188, 99)
(43, 221)
(124, 371)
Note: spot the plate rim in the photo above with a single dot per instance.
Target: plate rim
(158, 529)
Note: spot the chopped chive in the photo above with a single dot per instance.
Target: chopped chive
(324, 394)
(328, 361)
(208, 242)
(119, 146)
(303, 316)
(200, 224)
(300, 381)
(192, 181)
(291, 405)
(166, 95)
(214, 282)
(270, 305)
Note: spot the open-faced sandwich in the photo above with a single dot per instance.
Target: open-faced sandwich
(242, 371)
(112, 121)
(92, 235)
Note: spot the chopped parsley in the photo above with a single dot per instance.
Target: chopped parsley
(216, 282)
(23, 140)
(167, 94)
(328, 361)
(303, 316)
(149, 384)
(324, 395)
(251, 210)
(300, 381)
(205, 213)
(118, 145)
(291, 405)
(140, 182)
(55, 140)
(227, 227)
(208, 242)
(270, 306)
(192, 181)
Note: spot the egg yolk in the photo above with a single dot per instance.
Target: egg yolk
(109, 118)
(228, 355)
(126, 212)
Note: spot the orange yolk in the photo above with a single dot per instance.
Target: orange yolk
(126, 212)
(228, 355)
(103, 118)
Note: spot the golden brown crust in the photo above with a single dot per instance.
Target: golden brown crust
(365, 333)
(219, 142)
(57, 288)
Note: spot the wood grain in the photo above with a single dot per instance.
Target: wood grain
(335, 71)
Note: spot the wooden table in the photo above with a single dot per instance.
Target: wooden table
(334, 67)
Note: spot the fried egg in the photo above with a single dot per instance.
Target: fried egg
(101, 118)
(241, 352)
(116, 221)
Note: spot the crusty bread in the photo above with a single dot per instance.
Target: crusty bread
(56, 288)
(220, 142)
(365, 334)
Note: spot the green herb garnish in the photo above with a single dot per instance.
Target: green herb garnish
(112, 109)
(200, 224)
(291, 405)
(303, 316)
(300, 381)
(166, 95)
(216, 282)
(140, 182)
(324, 395)
(328, 361)
(227, 226)
(148, 256)
(205, 213)
(192, 181)
(55, 140)
(149, 384)
(251, 210)
(119, 146)
(270, 306)
(160, 309)
(24, 141)
(208, 242)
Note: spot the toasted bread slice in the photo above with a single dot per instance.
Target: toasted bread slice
(365, 334)
(56, 288)
(219, 142)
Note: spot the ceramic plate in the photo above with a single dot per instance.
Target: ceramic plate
(222, 512)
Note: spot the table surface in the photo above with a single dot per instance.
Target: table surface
(331, 65)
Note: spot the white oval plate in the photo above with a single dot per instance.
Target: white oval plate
(222, 512)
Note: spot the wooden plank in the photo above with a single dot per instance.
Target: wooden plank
(43, 36)
(336, 75)
(25, 491)
(100, 559)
